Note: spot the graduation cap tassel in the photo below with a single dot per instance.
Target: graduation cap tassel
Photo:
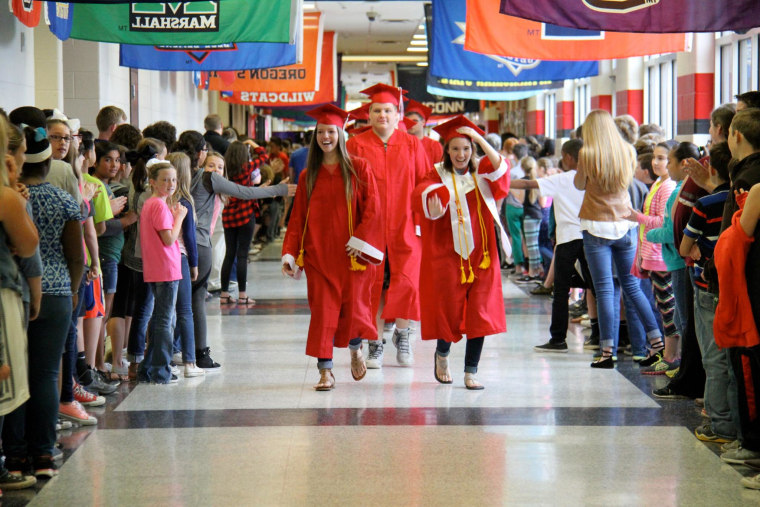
(355, 266)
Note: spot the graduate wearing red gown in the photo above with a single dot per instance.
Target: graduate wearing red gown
(336, 247)
(460, 282)
(398, 164)
(420, 113)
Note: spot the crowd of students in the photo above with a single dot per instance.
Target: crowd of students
(386, 223)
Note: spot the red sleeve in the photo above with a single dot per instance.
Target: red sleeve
(429, 186)
(421, 164)
(292, 242)
(499, 186)
(369, 228)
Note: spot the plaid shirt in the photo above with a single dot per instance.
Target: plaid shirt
(238, 212)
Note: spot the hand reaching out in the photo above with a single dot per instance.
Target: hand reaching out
(434, 204)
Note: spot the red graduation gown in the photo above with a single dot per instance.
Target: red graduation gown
(451, 309)
(339, 299)
(397, 169)
(433, 149)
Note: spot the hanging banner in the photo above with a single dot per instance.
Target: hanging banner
(453, 68)
(27, 11)
(60, 17)
(490, 32)
(292, 78)
(653, 16)
(219, 57)
(327, 92)
(414, 80)
(196, 22)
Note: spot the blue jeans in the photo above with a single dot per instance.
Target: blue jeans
(30, 429)
(680, 279)
(636, 331)
(140, 318)
(184, 331)
(69, 361)
(716, 366)
(155, 367)
(601, 255)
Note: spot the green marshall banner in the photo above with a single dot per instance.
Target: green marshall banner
(197, 22)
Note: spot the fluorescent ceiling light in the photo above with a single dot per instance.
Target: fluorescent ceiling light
(384, 58)
(422, 64)
(310, 6)
(418, 43)
(419, 36)
(418, 50)
(422, 26)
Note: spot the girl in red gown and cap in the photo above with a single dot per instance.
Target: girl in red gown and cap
(332, 236)
(460, 281)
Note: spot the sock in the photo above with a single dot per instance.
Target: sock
(81, 364)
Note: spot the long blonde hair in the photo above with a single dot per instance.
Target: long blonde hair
(606, 158)
(529, 167)
(314, 162)
(3, 151)
(181, 163)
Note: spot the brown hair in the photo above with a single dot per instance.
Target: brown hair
(108, 117)
(314, 162)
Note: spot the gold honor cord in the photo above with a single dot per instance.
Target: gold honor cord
(355, 266)
(486, 262)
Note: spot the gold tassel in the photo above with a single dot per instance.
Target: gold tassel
(472, 276)
(464, 277)
(299, 260)
(355, 266)
(486, 262)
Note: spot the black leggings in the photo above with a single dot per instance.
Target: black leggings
(471, 354)
(237, 240)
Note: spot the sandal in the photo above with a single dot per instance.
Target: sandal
(358, 364)
(326, 380)
(226, 300)
(443, 364)
(246, 301)
(471, 383)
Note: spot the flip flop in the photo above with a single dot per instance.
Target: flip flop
(446, 367)
(471, 383)
(226, 300)
(357, 361)
(325, 383)
(246, 301)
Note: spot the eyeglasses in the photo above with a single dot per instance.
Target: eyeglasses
(57, 138)
(204, 149)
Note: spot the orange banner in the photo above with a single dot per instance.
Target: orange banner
(287, 98)
(492, 33)
(300, 77)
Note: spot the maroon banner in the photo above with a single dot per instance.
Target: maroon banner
(653, 16)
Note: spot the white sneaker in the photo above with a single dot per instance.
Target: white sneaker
(175, 370)
(375, 357)
(177, 358)
(402, 340)
(191, 370)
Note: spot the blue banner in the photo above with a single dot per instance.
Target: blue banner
(60, 17)
(220, 57)
(485, 77)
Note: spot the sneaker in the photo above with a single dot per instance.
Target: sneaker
(751, 482)
(527, 279)
(177, 358)
(86, 398)
(174, 369)
(375, 356)
(97, 384)
(654, 358)
(705, 433)
(739, 455)
(729, 446)
(667, 393)
(542, 291)
(18, 466)
(203, 360)
(591, 343)
(75, 412)
(192, 370)
(551, 347)
(637, 358)
(44, 466)
(660, 367)
(404, 353)
(12, 482)
(579, 308)
(672, 373)
(173, 380)
(57, 454)
(64, 425)
(598, 355)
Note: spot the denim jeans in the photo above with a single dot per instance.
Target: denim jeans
(69, 361)
(184, 332)
(199, 296)
(140, 318)
(716, 366)
(680, 280)
(327, 362)
(30, 429)
(472, 351)
(601, 255)
(155, 367)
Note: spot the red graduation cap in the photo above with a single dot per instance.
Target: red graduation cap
(329, 114)
(448, 130)
(417, 107)
(360, 113)
(406, 124)
(355, 131)
(384, 94)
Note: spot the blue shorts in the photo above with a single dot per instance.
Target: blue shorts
(109, 269)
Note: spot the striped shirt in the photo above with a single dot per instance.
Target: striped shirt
(704, 227)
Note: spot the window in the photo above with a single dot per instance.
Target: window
(582, 101)
(660, 91)
(550, 112)
(736, 64)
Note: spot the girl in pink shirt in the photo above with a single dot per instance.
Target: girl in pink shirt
(160, 226)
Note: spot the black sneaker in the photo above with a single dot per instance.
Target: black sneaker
(667, 393)
(578, 309)
(45, 467)
(649, 361)
(591, 343)
(11, 481)
(551, 347)
(542, 291)
(18, 466)
(203, 360)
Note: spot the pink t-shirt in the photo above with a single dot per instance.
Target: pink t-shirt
(161, 263)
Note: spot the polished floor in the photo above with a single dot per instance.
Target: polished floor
(547, 430)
